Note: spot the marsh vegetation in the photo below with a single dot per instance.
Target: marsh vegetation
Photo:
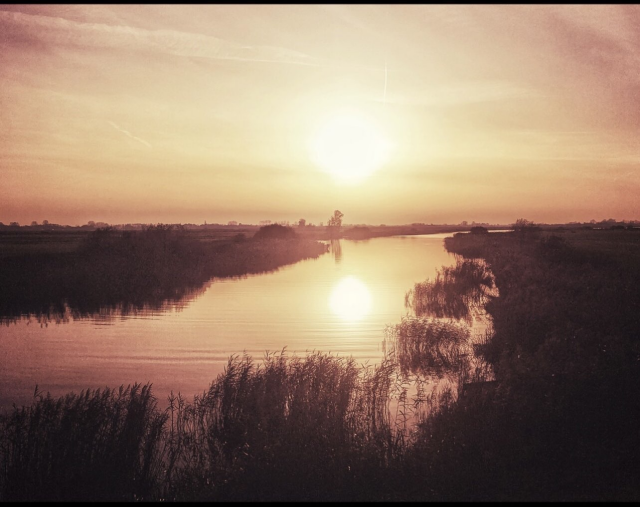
(127, 271)
(549, 410)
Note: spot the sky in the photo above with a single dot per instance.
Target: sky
(194, 113)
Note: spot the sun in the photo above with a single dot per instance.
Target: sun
(350, 147)
(350, 299)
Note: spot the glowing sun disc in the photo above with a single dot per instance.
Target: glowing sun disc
(350, 299)
(349, 147)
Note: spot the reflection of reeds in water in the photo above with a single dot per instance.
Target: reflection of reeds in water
(430, 347)
(437, 346)
(454, 293)
(107, 313)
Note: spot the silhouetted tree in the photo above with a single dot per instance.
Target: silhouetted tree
(302, 222)
(522, 225)
(335, 223)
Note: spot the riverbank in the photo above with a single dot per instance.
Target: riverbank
(560, 422)
(17, 241)
(133, 270)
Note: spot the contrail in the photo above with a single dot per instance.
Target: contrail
(127, 133)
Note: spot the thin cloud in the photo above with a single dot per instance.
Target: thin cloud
(18, 26)
(462, 93)
(127, 133)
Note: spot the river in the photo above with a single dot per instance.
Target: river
(338, 303)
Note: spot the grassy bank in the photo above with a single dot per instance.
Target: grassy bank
(131, 270)
(560, 423)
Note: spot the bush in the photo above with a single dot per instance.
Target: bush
(275, 231)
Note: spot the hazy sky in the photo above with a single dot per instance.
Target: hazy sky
(167, 113)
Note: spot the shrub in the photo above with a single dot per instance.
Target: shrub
(275, 231)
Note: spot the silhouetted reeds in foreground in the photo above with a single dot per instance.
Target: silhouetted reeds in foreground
(98, 445)
(313, 428)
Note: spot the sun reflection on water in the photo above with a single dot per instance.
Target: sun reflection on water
(350, 299)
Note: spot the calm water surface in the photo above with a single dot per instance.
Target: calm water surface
(339, 303)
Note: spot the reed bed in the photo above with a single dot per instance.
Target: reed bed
(288, 428)
(99, 444)
(125, 272)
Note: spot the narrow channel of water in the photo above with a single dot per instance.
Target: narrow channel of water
(338, 303)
